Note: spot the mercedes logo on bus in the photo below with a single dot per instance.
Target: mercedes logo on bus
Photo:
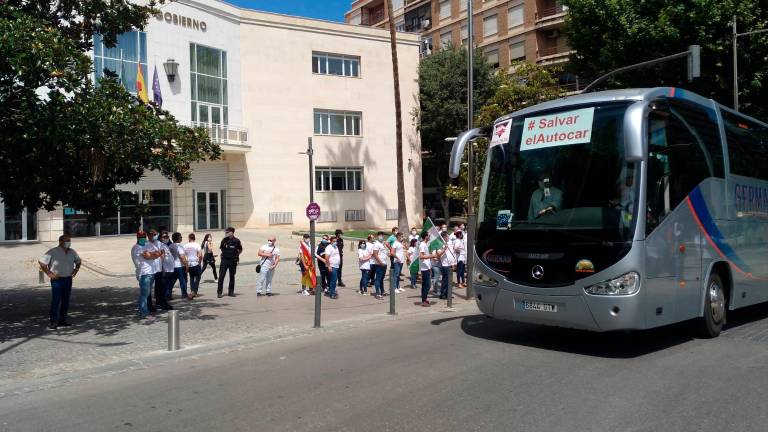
(537, 272)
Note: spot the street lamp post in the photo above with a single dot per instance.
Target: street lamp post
(735, 35)
(470, 157)
(318, 295)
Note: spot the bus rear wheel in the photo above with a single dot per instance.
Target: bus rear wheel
(710, 325)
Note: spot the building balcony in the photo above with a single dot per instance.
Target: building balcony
(373, 14)
(231, 139)
(551, 17)
(552, 55)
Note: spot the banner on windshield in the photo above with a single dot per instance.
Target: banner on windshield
(557, 129)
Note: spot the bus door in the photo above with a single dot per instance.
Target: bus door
(680, 165)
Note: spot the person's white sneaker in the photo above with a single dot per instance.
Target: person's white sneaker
(306, 293)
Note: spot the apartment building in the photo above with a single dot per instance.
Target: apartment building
(504, 30)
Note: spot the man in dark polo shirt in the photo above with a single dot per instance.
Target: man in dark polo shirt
(231, 248)
(340, 247)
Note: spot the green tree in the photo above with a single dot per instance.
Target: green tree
(608, 34)
(68, 140)
(527, 85)
(442, 111)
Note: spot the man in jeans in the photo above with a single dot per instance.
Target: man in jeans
(231, 248)
(180, 267)
(445, 255)
(159, 279)
(144, 255)
(270, 258)
(61, 264)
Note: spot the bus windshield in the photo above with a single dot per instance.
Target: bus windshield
(561, 178)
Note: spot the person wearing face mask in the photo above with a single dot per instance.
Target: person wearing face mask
(369, 249)
(340, 246)
(364, 261)
(231, 248)
(307, 266)
(159, 266)
(60, 264)
(194, 254)
(270, 258)
(143, 256)
(168, 269)
(414, 235)
(398, 259)
(322, 265)
(379, 264)
(545, 200)
(333, 258)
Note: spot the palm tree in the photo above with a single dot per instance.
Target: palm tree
(402, 215)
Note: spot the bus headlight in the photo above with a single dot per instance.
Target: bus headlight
(483, 279)
(627, 284)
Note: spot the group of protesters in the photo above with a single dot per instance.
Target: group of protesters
(162, 260)
(424, 257)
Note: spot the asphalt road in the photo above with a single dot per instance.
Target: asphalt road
(440, 372)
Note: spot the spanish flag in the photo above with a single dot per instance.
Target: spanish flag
(141, 86)
(308, 276)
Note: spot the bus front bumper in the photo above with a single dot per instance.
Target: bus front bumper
(588, 312)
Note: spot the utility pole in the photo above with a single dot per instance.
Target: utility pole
(471, 217)
(318, 295)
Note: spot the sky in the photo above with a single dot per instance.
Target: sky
(332, 10)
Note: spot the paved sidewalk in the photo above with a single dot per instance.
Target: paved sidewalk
(105, 330)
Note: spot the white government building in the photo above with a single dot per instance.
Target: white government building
(262, 84)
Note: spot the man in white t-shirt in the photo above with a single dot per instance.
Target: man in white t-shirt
(379, 263)
(270, 258)
(332, 256)
(446, 256)
(194, 254)
(398, 259)
(143, 256)
(460, 248)
(425, 266)
(61, 264)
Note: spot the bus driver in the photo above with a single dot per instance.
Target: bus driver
(546, 199)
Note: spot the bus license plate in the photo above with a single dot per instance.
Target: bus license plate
(540, 307)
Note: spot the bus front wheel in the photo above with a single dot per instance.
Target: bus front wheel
(710, 325)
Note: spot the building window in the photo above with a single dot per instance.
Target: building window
(493, 58)
(445, 9)
(517, 51)
(124, 59)
(490, 25)
(145, 209)
(445, 39)
(338, 122)
(464, 34)
(515, 16)
(338, 179)
(208, 78)
(462, 5)
(335, 64)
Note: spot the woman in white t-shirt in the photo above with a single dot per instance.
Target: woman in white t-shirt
(413, 256)
(364, 261)
(194, 254)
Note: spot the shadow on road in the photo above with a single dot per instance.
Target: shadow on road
(103, 312)
(621, 344)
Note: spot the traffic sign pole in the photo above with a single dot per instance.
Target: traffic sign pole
(318, 292)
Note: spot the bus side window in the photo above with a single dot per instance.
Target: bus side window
(747, 146)
(677, 163)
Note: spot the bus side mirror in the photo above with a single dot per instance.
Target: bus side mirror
(636, 132)
(458, 149)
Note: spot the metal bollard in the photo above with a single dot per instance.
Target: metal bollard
(174, 339)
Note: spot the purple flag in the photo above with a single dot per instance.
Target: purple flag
(158, 97)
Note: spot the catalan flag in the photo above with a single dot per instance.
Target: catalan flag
(141, 85)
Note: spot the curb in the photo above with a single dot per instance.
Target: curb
(160, 358)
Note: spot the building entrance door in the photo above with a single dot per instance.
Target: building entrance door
(17, 226)
(208, 208)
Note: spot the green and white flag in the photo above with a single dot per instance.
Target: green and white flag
(435, 241)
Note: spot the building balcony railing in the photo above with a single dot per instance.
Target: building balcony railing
(231, 139)
(373, 17)
(551, 11)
